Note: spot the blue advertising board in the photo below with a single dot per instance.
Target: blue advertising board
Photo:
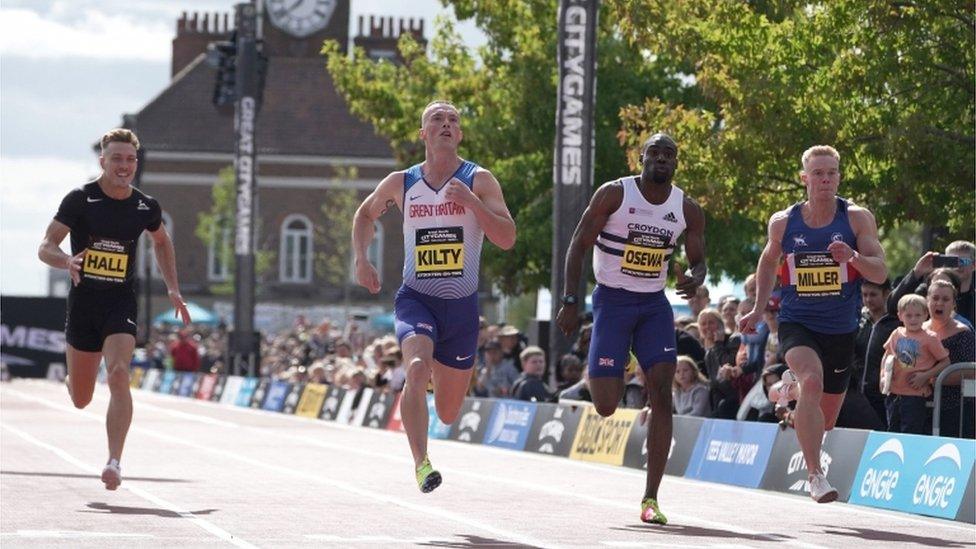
(277, 393)
(510, 424)
(732, 452)
(166, 385)
(435, 428)
(187, 381)
(918, 474)
(246, 391)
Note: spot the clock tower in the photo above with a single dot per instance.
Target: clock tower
(296, 28)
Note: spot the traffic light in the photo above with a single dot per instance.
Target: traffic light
(223, 56)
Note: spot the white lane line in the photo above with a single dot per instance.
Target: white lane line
(69, 534)
(606, 469)
(526, 485)
(348, 487)
(202, 523)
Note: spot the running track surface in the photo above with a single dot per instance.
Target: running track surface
(199, 474)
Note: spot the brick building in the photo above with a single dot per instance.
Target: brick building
(308, 145)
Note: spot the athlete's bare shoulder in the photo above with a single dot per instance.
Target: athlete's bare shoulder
(608, 197)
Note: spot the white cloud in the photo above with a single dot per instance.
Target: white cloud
(30, 191)
(93, 34)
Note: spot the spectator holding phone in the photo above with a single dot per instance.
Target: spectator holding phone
(956, 265)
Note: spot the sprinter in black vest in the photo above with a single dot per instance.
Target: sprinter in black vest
(105, 219)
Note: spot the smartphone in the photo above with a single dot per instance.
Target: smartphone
(951, 261)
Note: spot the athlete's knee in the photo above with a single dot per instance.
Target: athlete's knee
(811, 384)
(418, 372)
(118, 378)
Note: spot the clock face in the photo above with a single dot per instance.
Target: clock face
(300, 18)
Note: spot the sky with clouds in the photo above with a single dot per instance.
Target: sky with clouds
(69, 69)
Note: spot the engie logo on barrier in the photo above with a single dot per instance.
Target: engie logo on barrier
(510, 424)
(917, 474)
(603, 439)
(732, 452)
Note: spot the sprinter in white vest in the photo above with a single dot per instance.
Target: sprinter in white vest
(634, 224)
(449, 205)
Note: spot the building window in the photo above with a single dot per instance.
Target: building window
(218, 264)
(295, 253)
(146, 249)
(374, 253)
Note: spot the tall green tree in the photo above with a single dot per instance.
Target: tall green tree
(214, 224)
(506, 91)
(890, 84)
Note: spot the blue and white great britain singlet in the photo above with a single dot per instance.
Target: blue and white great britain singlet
(634, 248)
(818, 292)
(441, 239)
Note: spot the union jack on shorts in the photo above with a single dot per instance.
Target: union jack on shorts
(605, 362)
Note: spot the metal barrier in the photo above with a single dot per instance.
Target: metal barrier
(966, 386)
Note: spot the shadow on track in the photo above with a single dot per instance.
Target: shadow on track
(699, 531)
(104, 508)
(870, 534)
(474, 541)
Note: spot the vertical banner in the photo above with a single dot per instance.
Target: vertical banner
(572, 169)
(245, 111)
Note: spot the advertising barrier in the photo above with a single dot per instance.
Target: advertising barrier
(332, 402)
(473, 420)
(150, 381)
(360, 405)
(274, 400)
(291, 401)
(313, 397)
(260, 391)
(207, 384)
(732, 452)
(379, 409)
(918, 474)
(135, 377)
(218, 389)
(684, 435)
(553, 429)
(232, 387)
(395, 424)
(187, 381)
(166, 382)
(246, 391)
(839, 457)
(967, 510)
(31, 334)
(510, 423)
(603, 439)
(346, 407)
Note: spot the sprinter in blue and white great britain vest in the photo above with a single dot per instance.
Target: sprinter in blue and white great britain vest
(449, 205)
(821, 248)
(635, 223)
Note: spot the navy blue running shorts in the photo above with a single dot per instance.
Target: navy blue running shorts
(452, 324)
(625, 321)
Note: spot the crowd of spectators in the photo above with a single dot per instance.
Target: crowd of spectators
(720, 372)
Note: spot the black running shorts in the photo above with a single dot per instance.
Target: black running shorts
(836, 352)
(93, 316)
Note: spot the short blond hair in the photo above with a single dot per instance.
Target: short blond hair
(121, 135)
(687, 360)
(818, 150)
(907, 301)
(961, 247)
(434, 103)
(532, 350)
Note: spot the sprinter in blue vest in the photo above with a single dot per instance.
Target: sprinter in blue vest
(822, 247)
